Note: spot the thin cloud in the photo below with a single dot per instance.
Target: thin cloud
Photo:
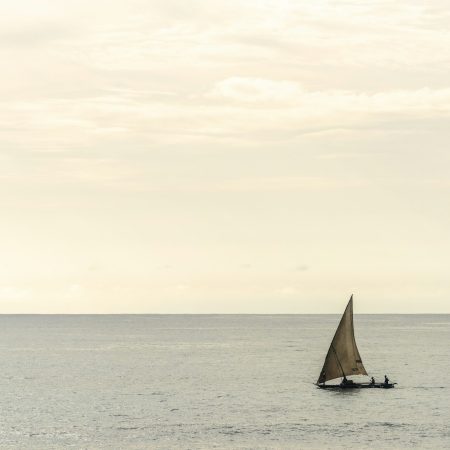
(273, 184)
(235, 108)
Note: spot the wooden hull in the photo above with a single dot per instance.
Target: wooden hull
(357, 386)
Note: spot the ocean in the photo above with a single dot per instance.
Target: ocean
(218, 381)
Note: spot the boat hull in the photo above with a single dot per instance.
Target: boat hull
(358, 386)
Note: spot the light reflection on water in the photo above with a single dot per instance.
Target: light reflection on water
(135, 382)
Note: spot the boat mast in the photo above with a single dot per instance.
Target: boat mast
(337, 359)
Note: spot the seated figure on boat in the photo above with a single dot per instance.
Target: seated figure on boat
(346, 382)
(372, 381)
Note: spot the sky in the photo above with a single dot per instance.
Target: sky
(230, 156)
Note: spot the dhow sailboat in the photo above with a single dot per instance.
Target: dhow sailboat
(343, 358)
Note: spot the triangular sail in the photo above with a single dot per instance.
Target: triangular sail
(343, 356)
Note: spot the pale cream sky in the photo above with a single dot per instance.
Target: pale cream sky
(224, 156)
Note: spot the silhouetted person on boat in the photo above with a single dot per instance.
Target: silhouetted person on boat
(386, 380)
(372, 381)
(322, 377)
(346, 382)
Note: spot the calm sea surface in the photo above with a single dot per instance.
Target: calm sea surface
(218, 381)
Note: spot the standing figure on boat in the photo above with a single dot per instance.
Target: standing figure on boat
(386, 380)
(372, 381)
